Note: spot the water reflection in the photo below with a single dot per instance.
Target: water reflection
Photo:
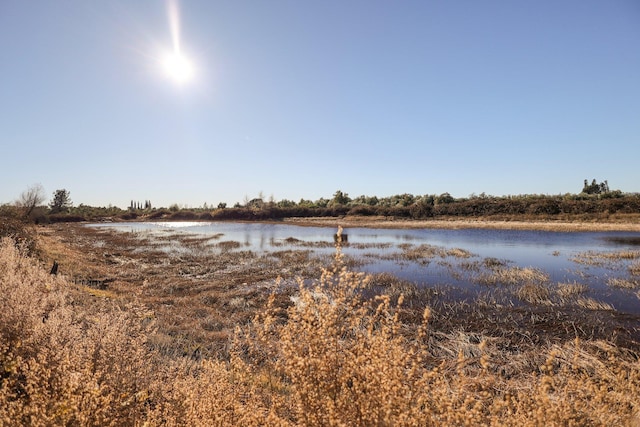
(560, 255)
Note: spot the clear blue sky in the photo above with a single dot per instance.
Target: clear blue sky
(302, 98)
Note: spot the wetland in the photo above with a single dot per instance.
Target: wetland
(203, 279)
(191, 323)
(467, 261)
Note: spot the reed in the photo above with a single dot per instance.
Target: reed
(623, 283)
(534, 293)
(567, 291)
(512, 276)
(593, 304)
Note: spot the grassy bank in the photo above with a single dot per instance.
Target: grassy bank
(196, 339)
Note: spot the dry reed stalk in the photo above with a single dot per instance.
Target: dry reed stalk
(622, 283)
(569, 290)
(593, 304)
(634, 269)
(534, 293)
(512, 276)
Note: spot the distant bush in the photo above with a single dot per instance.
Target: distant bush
(65, 218)
(159, 214)
(129, 216)
(184, 215)
(362, 210)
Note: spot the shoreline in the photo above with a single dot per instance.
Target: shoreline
(453, 224)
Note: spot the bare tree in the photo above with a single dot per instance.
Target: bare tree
(31, 198)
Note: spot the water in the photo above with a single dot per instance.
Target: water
(564, 256)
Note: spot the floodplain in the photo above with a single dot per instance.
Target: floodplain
(218, 323)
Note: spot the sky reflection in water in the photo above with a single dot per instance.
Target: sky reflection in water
(380, 251)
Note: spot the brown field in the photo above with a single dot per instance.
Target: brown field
(140, 329)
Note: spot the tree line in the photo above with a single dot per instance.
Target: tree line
(594, 199)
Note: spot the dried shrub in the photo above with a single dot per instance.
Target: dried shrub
(19, 232)
(62, 366)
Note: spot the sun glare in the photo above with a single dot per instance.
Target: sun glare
(175, 65)
(178, 68)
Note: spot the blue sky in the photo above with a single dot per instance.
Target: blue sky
(301, 98)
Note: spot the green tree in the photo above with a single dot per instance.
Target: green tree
(596, 188)
(444, 198)
(340, 198)
(61, 201)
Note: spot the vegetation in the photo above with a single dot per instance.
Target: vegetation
(30, 199)
(332, 354)
(61, 201)
(595, 202)
(595, 188)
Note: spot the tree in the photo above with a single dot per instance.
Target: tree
(444, 198)
(31, 198)
(61, 201)
(340, 198)
(595, 188)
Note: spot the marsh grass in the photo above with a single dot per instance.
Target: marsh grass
(623, 283)
(634, 269)
(593, 304)
(512, 276)
(570, 291)
(424, 254)
(604, 258)
(534, 293)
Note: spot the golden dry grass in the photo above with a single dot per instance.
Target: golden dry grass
(512, 276)
(593, 304)
(568, 291)
(623, 283)
(534, 293)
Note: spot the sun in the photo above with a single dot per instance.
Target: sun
(178, 68)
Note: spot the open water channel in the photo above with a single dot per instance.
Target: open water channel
(599, 260)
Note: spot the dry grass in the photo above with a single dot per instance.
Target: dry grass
(568, 291)
(622, 283)
(593, 304)
(634, 269)
(61, 365)
(332, 358)
(604, 258)
(534, 293)
(512, 276)
(425, 253)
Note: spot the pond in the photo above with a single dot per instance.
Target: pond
(608, 263)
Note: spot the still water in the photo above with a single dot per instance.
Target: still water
(566, 257)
